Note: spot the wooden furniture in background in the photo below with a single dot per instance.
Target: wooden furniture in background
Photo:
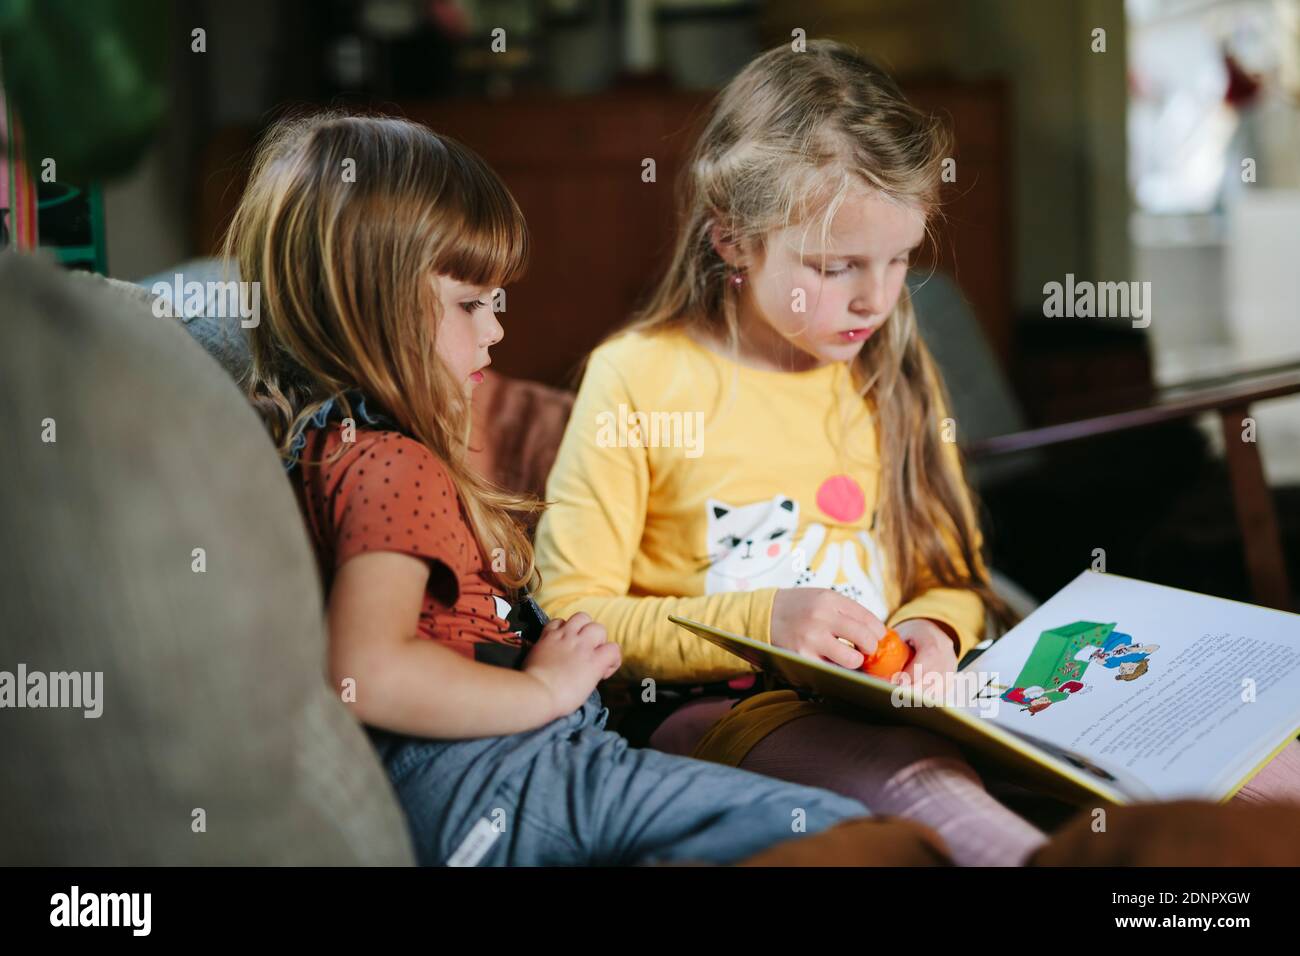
(974, 233)
(601, 235)
(1230, 399)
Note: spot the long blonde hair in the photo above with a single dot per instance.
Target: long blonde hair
(344, 223)
(792, 135)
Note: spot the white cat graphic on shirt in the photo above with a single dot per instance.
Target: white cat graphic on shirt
(753, 546)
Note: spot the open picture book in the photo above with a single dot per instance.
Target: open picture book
(1114, 688)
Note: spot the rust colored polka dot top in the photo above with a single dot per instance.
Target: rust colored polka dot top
(388, 492)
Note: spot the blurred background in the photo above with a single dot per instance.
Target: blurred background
(1150, 140)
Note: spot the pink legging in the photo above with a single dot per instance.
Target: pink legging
(907, 772)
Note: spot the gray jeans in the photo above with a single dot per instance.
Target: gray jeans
(572, 793)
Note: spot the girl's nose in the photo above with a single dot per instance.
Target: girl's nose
(494, 332)
(872, 296)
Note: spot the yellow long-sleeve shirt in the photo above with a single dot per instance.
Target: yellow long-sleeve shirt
(689, 484)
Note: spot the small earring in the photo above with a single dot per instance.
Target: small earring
(738, 279)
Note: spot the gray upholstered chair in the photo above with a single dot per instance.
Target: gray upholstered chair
(150, 537)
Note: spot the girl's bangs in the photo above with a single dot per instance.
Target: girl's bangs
(486, 240)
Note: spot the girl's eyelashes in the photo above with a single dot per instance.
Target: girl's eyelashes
(472, 306)
(841, 268)
(836, 270)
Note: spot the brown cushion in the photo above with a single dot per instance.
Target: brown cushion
(1181, 833)
(517, 427)
(874, 841)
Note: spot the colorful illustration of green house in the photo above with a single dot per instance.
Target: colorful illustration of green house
(1054, 658)
(1055, 667)
(1057, 663)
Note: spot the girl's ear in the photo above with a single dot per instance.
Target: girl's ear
(725, 245)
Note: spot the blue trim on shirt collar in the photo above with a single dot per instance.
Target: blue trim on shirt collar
(328, 410)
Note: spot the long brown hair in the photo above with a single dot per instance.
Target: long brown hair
(345, 222)
(784, 143)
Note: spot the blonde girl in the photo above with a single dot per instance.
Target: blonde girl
(823, 503)
(823, 498)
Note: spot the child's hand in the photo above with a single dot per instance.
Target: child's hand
(570, 659)
(808, 621)
(935, 654)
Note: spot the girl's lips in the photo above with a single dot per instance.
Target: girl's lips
(857, 335)
(476, 377)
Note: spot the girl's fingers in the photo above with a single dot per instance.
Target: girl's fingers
(837, 652)
(855, 623)
(931, 672)
(917, 668)
(855, 611)
(613, 657)
(861, 634)
(594, 632)
(910, 670)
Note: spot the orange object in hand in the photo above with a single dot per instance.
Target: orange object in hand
(891, 656)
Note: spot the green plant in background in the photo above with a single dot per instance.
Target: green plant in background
(87, 80)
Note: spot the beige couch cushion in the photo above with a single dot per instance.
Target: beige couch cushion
(214, 703)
